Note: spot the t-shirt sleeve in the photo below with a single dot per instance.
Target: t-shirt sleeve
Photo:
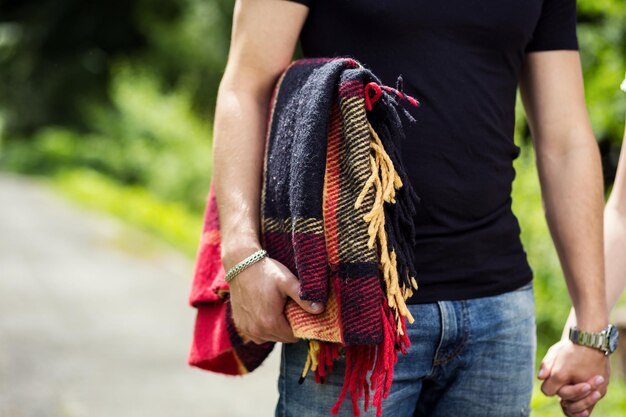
(305, 2)
(556, 28)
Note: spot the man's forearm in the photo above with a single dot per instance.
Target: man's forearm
(614, 259)
(238, 147)
(573, 197)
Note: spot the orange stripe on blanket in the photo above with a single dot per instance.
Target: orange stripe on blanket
(331, 187)
(327, 325)
(324, 326)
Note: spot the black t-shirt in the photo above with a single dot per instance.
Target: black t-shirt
(461, 59)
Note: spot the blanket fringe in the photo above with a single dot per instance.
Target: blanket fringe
(380, 360)
(386, 181)
(360, 359)
(387, 229)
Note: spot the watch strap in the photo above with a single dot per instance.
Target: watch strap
(590, 339)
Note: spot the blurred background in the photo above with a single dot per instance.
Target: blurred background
(105, 162)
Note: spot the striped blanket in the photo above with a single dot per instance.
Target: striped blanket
(337, 210)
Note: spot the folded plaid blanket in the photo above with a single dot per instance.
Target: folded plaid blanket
(337, 210)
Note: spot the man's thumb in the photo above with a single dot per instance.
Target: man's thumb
(292, 289)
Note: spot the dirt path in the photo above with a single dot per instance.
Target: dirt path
(94, 320)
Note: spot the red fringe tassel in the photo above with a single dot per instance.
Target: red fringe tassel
(379, 359)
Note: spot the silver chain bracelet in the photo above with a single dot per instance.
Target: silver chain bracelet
(252, 259)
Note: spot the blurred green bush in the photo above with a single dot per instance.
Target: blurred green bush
(56, 56)
(146, 137)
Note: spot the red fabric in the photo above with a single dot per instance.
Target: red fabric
(211, 348)
(216, 344)
(208, 281)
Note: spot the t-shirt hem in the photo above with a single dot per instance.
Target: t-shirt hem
(552, 48)
(470, 292)
(303, 2)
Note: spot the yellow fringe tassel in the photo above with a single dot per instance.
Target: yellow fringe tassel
(311, 359)
(386, 181)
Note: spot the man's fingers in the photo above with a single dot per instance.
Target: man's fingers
(582, 405)
(247, 338)
(274, 329)
(283, 332)
(574, 392)
(291, 287)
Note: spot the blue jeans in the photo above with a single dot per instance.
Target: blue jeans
(471, 358)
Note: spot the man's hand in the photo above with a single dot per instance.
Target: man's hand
(579, 375)
(258, 296)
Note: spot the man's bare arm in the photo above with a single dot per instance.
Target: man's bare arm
(570, 172)
(615, 261)
(263, 41)
(614, 240)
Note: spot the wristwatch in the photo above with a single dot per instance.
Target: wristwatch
(606, 340)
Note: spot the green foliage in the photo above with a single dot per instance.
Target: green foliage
(191, 51)
(57, 55)
(147, 138)
(164, 146)
(602, 38)
(170, 221)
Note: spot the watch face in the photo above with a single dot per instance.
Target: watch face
(613, 338)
